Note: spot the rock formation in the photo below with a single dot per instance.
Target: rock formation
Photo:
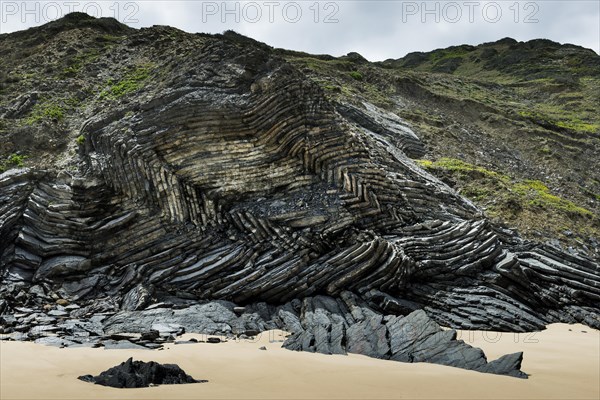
(234, 179)
(139, 374)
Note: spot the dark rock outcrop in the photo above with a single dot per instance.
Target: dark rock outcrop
(139, 374)
(332, 327)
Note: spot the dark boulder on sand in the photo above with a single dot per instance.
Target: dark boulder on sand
(138, 374)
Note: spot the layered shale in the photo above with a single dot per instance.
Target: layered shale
(228, 180)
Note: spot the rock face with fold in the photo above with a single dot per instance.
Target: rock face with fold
(231, 177)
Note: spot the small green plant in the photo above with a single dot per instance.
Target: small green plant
(41, 112)
(80, 140)
(17, 160)
(73, 102)
(565, 122)
(545, 149)
(428, 164)
(461, 167)
(577, 124)
(478, 193)
(356, 75)
(131, 82)
(54, 113)
(76, 63)
(13, 161)
(71, 70)
(537, 194)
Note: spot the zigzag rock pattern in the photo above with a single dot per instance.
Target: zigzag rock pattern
(241, 182)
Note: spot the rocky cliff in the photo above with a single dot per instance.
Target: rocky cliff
(167, 169)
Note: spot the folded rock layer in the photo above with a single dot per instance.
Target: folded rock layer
(234, 178)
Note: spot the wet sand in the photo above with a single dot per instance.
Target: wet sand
(563, 363)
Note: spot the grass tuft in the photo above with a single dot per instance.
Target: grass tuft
(131, 82)
(13, 161)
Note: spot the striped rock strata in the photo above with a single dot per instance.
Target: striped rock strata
(241, 182)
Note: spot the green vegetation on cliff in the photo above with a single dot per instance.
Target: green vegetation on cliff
(529, 205)
(131, 82)
(12, 161)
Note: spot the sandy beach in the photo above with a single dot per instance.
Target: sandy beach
(563, 363)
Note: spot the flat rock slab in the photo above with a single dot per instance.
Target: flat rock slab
(122, 345)
(55, 341)
(58, 313)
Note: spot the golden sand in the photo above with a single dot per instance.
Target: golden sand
(563, 362)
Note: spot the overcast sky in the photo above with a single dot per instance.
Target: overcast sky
(376, 29)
